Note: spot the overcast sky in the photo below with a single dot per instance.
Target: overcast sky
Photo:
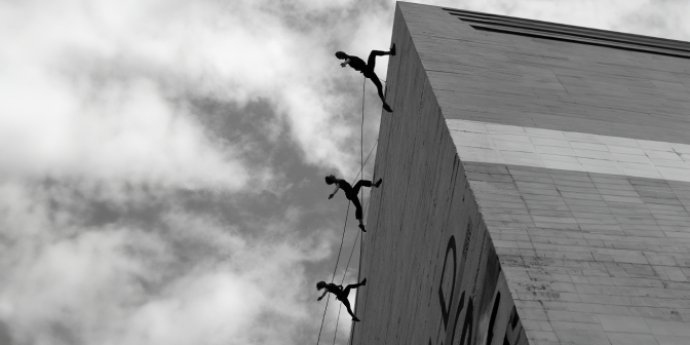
(162, 162)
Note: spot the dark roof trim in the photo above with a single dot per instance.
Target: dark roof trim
(569, 33)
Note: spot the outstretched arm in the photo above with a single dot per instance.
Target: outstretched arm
(324, 294)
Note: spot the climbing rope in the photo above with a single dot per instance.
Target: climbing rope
(342, 239)
(337, 319)
(361, 173)
(361, 136)
(366, 160)
(362, 162)
(349, 259)
(323, 317)
(347, 266)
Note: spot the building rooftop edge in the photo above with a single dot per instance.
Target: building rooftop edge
(550, 30)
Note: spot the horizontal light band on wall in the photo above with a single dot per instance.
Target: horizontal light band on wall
(545, 148)
(569, 33)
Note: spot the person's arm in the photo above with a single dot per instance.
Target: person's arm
(324, 294)
(337, 187)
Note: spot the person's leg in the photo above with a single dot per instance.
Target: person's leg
(358, 212)
(360, 184)
(379, 88)
(365, 183)
(371, 61)
(345, 293)
(358, 207)
(349, 310)
(356, 285)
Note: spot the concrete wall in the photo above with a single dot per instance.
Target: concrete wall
(561, 173)
(433, 276)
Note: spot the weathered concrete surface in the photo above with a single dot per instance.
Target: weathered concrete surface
(433, 275)
(554, 175)
(542, 83)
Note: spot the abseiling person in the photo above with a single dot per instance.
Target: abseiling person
(340, 293)
(351, 193)
(367, 69)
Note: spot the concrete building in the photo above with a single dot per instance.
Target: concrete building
(536, 186)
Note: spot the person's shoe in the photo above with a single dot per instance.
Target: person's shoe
(364, 282)
(393, 49)
(354, 318)
(361, 226)
(378, 183)
(387, 108)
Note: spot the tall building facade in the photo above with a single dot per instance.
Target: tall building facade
(536, 186)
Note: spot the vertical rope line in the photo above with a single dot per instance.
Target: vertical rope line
(352, 328)
(361, 173)
(337, 261)
(342, 239)
(335, 334)
(350, 258)
(361, 193)
(347, 266)
(323, 317)
(361, 145)
(361, 139)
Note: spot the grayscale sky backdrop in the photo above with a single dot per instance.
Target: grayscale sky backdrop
(162, 162)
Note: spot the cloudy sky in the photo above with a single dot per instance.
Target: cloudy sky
(162, 161)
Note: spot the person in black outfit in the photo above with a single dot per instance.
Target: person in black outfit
(351, 193)
(340, 293)
(367, 69)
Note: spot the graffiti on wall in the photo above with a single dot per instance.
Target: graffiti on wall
(460, 313)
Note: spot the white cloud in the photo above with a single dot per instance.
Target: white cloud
(66, 56)
(96, 103)
(189, 279)
(95, 99)
(129, 134)
(85, 99)
(69, 54)
(213, 308)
